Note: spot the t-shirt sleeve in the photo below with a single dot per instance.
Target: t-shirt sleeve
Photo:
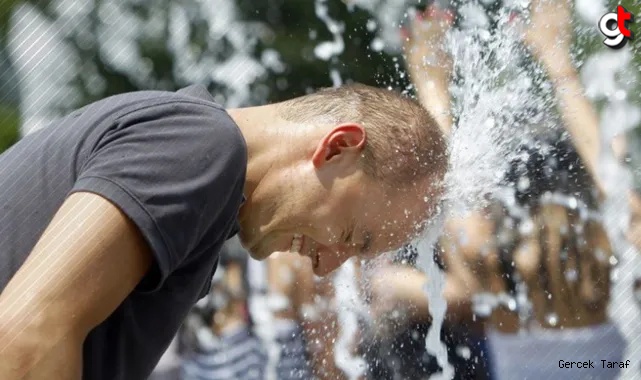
(177, 171)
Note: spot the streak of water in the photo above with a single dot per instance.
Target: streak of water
(349, 307)
(434, 292)
(330, 50)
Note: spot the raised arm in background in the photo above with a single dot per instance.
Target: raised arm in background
(428, 64)
(549, 37)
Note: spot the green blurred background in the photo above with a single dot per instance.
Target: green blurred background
(293, 30)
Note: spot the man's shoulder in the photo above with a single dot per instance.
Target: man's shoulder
(130, 102)
(193, 105)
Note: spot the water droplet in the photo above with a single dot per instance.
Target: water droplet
(552, 319)
(571, 275)
(523, 184)
(371, 25)
(464, 352)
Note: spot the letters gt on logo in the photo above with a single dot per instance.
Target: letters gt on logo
(615, 27)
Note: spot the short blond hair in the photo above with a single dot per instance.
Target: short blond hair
(404, 143)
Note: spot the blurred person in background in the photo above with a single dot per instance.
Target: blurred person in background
(556, 260)
(283, 287)
(223, 339)
(217, 339)
(538, 260)
(395, 345)
(303, 324)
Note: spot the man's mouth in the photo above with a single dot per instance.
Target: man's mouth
(297, 246)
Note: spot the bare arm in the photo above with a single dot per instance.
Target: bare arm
(399, 287)
(634, 233)
(85, 264)
(549, 37)
(579, 116)
(429, 66)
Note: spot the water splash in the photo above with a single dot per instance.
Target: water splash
(330, 50)
(434, 293)
(236, 69)
(387, 15)
(499, 106)
(349, 307)
(37, 47)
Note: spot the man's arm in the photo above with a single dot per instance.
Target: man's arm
(88, 260)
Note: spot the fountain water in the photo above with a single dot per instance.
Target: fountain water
(434, 292)
(349, 308)
(502, 94)
(494, 107)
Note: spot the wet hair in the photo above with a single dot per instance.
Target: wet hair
(549, 164)
(404, 142)
(406, 255)
(545, 166)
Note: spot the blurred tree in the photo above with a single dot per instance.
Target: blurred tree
(296, 30)
(245, 52)
(9, 94)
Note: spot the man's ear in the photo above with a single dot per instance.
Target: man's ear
(345, 138)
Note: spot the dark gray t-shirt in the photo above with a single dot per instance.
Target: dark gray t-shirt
(175, 163)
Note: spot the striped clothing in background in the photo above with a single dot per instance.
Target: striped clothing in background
(241, 355)
(235, 355)
(293, 363)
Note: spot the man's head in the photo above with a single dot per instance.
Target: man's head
(354, 170)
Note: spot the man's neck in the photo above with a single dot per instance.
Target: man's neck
(267, 138)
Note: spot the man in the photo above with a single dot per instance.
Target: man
(112, 217)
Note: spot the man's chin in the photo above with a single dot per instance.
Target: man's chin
(255, 251)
